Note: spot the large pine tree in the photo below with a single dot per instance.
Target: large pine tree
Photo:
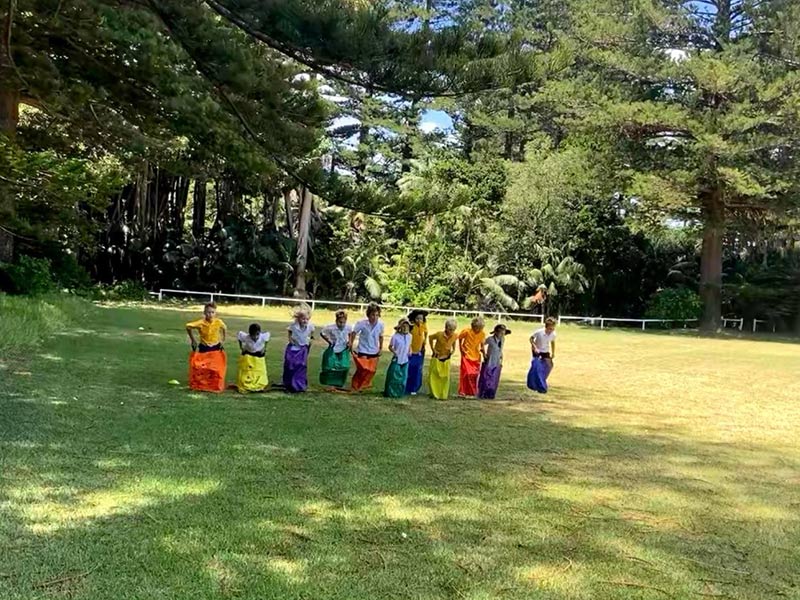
(697, 104)
(218, 75)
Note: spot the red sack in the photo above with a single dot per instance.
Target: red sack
(207, 371)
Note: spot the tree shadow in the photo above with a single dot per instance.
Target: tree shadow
(330, 496)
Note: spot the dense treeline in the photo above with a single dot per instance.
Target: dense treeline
(615, 159)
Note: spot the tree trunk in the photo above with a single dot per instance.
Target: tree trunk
(9, 117)
(287, 203)
(270, 212)
(711, 261)
(508, 142)
(199, 209)
(303, 238)
(179, 207)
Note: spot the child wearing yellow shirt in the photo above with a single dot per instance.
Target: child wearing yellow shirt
(470, 342)
(212, 330)
(207, 362)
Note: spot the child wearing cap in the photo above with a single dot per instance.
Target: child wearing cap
(492, 351)
(399, 346)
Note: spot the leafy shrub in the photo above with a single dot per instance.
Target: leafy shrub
(675, 303)
(69, 274)
(124, 290)
(31, 276)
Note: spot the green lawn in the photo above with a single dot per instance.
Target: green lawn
(660, 465)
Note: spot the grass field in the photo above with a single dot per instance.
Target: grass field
(659, 466)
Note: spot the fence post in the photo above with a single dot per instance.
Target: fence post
(263, 301)
(313, 305)
(559, 319)
(755, 324)
(602, 321)
(741, 323)
(160, 295)
(644, 323)
(212, 297)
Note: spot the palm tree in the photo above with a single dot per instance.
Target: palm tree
(481, 287)
(566, 276)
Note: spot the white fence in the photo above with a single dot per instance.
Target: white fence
(756, 322)
(499, 315)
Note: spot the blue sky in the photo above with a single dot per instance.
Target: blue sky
(436, 119)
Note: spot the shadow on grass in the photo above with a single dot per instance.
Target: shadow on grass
(132, 490)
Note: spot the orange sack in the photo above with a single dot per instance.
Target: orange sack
(207, 371)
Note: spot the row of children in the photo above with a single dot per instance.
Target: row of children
(481, 356)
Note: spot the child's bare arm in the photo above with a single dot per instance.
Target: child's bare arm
(380, 345)
(553, 349)
(192, 340)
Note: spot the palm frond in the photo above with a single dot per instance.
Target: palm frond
(373, 288)
(497, 293)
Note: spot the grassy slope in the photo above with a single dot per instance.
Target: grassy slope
(659, 465)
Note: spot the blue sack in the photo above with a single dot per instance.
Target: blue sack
(537, 376)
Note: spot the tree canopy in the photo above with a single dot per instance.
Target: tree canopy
(606, 153)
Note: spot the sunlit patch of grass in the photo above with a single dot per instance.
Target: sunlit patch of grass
(654, 467)
(46, 509)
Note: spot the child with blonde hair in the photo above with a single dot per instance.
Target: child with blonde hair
(443, 344)
(470, 342)
(295, 360)
(207, 361)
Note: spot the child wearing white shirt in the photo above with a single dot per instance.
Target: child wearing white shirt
(295, 360)
(400, 347)
(543, 342)
(336, 358)
(252, 372)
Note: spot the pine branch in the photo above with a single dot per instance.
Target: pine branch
(322, 67)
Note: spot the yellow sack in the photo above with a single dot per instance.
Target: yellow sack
(252, 374)
(439, 378)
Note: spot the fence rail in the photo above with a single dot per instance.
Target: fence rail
(757, 321)
(499, 315)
